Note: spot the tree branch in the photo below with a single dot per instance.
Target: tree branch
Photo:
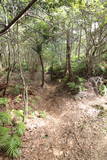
(3, 31)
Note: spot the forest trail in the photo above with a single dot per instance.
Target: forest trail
(73, 129)
(62, 47)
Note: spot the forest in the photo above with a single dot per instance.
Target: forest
(53, 80)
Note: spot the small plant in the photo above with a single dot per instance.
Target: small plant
(81, 80)
(102, 89)
(79, 66)
(13, 146)
(73, 85)
(3, 101)
(18, 99)
(25, 66)
(18, 115)
(81, 84)
(11, 131)
(42, 114)
(5, 118)
(20, 129)
(77, 86)
(16, 90)
(65, 79)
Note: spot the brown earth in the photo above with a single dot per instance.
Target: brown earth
(73, 127)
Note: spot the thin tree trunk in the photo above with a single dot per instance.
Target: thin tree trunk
(68, 71)
(9, 68)
(51, 69)
(25, 87)
(79, 45)
(42, 66)
(38, 50)
(1, 62)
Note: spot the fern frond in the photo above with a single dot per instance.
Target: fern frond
(5, 118)
(4, 131)
(20, 128)
(13, 152)
(13, 146)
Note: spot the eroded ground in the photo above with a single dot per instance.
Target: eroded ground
(71, 127)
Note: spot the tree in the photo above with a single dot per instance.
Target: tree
(3, 31)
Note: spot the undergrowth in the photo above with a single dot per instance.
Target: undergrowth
(12, 129)
(77, 86)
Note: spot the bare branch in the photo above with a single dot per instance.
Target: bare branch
(3, 31)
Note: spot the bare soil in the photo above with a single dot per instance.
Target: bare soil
(73, 128)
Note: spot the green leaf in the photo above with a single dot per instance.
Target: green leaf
(4, 131)
(5, 118)
(20, 128)
(42, 114)
(13, 146)
(3, 101)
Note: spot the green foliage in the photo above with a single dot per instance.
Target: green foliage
(4, 137)
(42, 114)
(4, 131)
(13, 146)
(72, 85)
(25, 66)
(18, 115)
(3, 101)
(20, 128)
(78, 85)
(10, 133)
(57, 71)
(79, 67)
(5, 118)
(101, 68)
(102, 89)
(16, 90)
(81, 83)
(18, 99)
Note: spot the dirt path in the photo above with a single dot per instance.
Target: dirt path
(71, 130)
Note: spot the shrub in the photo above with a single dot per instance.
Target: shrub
(16, 90)
(5, 118)
(3, 101)
(10, 134)
(77, 86)
(25, 66)
(79, 67)
(81, 83)
(42, 114)
(73, 87)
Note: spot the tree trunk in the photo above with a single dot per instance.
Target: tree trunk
(1, 62)
(68, 71)
(51, 69)
(42, 66)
